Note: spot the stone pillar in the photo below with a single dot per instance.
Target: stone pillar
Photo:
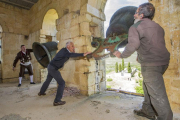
(79, 27)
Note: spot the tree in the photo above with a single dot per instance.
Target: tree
(139, 74)
(116, 67)
(120, 69)
(122, 64)
(129, 68)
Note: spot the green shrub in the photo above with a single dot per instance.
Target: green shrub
(122, 64)
(129, 68)
(120, 69)
(139, 74)
(108, 86)
(139, 89)
(138, 67)
(116, 67)
(109, 79)
(108, 71)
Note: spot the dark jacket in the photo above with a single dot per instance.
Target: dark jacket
(22, 57)
(62, 56)
(147, 38)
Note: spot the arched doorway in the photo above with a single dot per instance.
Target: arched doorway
(49, 26)
(48, 33)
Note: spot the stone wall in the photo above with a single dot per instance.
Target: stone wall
(77, 21)
(14, 22)
(168, 16)
(13, 19)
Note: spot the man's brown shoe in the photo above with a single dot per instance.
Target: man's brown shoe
(41, 94)
(59, 103)
(141, 113)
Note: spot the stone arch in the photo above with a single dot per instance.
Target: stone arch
(49, 25)
(4, 26)
(51, 7)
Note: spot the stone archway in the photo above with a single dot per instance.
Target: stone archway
(48, 34)
(49, 26)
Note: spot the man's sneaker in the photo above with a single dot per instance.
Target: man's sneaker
(32, 83)
(19, 85)
(59, 103)
(141, 113)
(41, 94)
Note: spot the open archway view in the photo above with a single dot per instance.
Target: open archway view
(48, 34)
(122, 74)
(49, 25)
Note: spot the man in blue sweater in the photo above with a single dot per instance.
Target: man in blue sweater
(58, 62)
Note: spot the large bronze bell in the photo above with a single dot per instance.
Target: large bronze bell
(44, 52)
(116, 34)
(121, 21)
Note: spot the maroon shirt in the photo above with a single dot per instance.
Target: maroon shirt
(147, 38)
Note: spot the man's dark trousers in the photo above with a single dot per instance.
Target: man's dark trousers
(54, 73)
(155, 96)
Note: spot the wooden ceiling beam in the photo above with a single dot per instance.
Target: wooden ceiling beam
(29, 1)
(15, 4)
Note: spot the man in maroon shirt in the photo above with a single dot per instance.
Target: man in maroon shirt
(147, 38)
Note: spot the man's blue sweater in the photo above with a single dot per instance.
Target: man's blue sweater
(62, 56)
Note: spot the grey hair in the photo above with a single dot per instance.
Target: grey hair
(68, 43)
(147, 9)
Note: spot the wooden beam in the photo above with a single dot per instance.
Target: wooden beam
(28, 1)
(12, 3)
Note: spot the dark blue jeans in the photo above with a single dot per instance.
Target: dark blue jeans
(155, 97)
(54, 73)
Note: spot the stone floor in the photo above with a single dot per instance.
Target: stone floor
(24, 104)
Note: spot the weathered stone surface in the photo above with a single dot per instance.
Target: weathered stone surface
(43, 74)
(91, 90)
(92, 11)
(85, 18)
(176, 84)
(166, 16)
(74, 31)
(84, 28)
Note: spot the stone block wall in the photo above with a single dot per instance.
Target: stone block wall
(14, 22)
(168, 16)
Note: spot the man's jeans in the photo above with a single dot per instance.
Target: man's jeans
(155, 97)
(53, 73)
